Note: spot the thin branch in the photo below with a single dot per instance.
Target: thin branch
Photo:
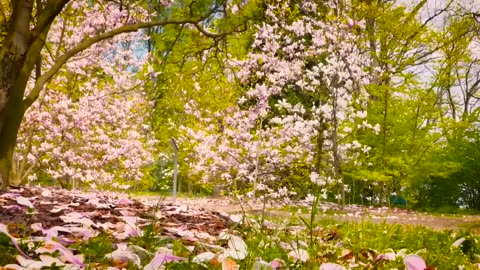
(86, 43)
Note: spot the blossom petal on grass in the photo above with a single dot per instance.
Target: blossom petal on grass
(332, 266)
(124, 256)
(49, 260)
(203, 257)
(3, 229)
(45, 262)
(10, 195)
(414, 262)
(123, 201)
(85, 233)
(13, 267)
(52, 246)
(13, 207)
(30, 264)
(300, 254)
(388, 256)
(75, 217)
(277, 263)
(161, 259)
(458, 243)
(24, 201)
(262, 265)
(49, 233)
(46, 193)
(237, 249)
(236, 218)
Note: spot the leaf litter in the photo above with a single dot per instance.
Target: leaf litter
(56, 218)
(47, 226)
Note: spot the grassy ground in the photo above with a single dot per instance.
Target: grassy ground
(351, 241)
(241, 237)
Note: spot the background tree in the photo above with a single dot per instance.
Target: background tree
(304, 81)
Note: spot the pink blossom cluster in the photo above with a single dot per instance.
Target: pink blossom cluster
(312, 57)
(98, 138)
(89, 124)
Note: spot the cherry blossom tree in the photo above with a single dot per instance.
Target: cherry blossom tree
(97, 139)
(305, 99)
(31, 29)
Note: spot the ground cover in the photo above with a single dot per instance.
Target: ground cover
(59, 229)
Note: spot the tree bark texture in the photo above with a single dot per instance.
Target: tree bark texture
(18, 55)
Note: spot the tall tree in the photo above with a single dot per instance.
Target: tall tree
(27, 27)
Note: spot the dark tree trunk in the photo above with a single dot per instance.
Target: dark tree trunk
(19, 53)
(13, 80)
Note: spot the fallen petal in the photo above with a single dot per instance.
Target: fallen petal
(459, 242)
(299, 254)
(24, 201)
(3, 229)
(161, 259)
(203, 257)
(332, 266)
(124, 256)
(414, 262)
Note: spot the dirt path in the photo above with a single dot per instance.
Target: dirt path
(349, 213)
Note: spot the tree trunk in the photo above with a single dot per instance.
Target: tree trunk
(10, 120)
(14, 76)
(18, 54)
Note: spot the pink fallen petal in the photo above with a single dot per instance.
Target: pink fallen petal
(459, 242)
(52, 246)
(14, 267)
(350, 23)
(13, 207)
(126, 213)
(361, 24)
(414, 262)
(49, 233)
(3, 229)
(10, 195)
(332, 266)
(46, 193)
(30, 264)
(277, 263)
(389, 256)
(123, 201)
(24, 201)
(85, 233)
(124, 256)
(75, 217)
(161, 259)
(66, 241)
(131, 228)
